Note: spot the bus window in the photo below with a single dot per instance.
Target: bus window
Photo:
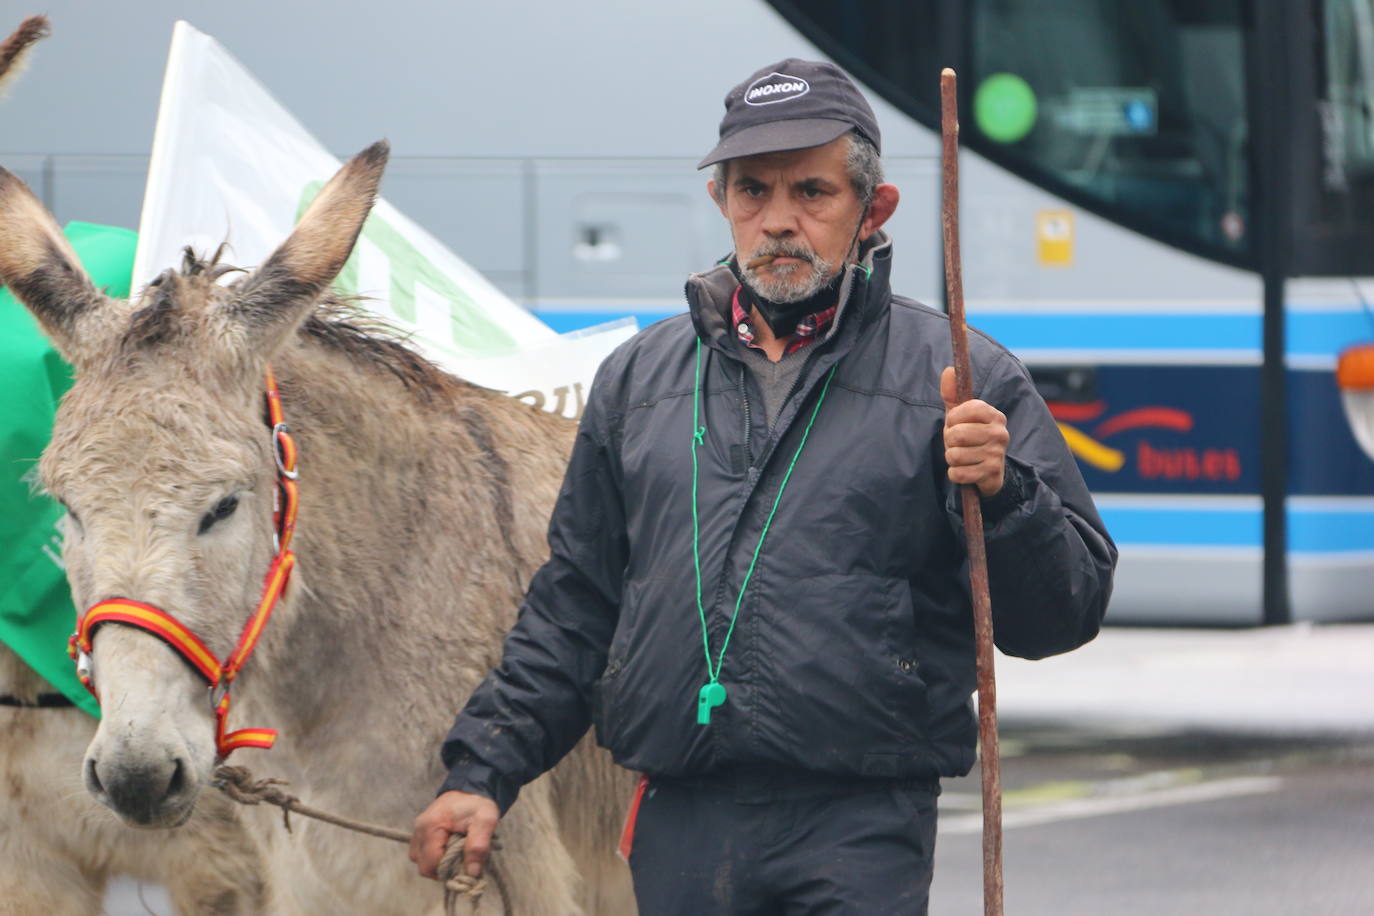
(1346, 117)
(1339, 231)
(1140, 106)
(1134, 110)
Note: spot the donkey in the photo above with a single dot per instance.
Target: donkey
(58, 848)
(423, 501)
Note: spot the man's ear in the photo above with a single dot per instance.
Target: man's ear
(885, 198)
(719, 201)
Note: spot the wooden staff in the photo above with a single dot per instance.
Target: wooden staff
(973, 513)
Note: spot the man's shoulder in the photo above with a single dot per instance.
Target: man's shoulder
(658, 339)
(911, 316)
(916, 312)
(670, 331)
(649, 358)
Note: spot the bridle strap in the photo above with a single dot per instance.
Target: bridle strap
(219, 676)
(151, 619)
(284, 453)
(42, 701)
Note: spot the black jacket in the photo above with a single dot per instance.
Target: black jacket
(853, 652)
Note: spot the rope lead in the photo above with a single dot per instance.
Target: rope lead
(238, 783)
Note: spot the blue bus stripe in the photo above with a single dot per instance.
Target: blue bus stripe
(1309, 530)
(1317, 531)
(1186, 527)
(1107, 333)
(1309, 332)
(1325, 333)
(1039, 329)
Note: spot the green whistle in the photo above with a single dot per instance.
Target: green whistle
(710, 696)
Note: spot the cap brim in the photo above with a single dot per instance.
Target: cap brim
(776, 137)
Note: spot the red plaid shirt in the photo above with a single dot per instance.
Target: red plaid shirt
(809, 329)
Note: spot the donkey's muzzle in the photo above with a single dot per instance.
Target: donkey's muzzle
(143, 794)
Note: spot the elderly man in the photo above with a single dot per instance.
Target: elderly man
(757, 589)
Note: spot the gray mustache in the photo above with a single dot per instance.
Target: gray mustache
(783, 250)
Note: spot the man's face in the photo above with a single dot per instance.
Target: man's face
(798, 204)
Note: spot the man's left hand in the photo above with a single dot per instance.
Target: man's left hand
(975, 439)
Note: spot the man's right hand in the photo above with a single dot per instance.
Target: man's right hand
(473, 816)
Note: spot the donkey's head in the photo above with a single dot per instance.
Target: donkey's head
(162, 458)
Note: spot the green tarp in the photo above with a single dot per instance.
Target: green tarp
(36, 614)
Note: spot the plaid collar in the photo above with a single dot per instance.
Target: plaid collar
(809, 329)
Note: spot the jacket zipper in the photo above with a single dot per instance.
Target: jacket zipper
(748, 424)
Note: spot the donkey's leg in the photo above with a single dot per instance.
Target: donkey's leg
(590, 795)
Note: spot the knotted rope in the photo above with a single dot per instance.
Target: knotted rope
(238, 783)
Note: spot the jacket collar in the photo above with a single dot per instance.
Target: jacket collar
(864, 293)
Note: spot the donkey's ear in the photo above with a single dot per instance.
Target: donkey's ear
(41, 269)
(280, 293)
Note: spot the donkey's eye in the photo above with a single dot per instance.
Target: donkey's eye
(223, 509)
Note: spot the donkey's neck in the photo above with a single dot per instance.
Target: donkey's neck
(422, 516)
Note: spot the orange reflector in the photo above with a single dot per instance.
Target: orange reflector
(1355, 368)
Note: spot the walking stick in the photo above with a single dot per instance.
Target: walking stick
(973, 513)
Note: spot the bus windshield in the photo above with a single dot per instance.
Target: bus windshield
(1140, 105)
(1136, 110)
(1345, 197)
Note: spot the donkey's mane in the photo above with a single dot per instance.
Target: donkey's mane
(342, 325)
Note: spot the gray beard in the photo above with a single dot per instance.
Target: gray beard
(790, 282)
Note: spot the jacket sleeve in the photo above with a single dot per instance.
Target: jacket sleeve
(1050, 559)
(535, 705)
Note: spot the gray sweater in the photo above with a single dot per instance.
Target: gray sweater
(776, 379)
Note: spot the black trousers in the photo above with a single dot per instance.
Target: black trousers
(765, 843)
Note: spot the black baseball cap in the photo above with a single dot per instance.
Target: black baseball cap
(793, 104)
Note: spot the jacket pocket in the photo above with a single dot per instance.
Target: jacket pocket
(840, 677)
(603, 695)
(605, 691)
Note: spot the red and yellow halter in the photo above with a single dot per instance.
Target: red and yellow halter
(219, 675)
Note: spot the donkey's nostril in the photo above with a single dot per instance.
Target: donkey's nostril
(93, 777)
(177, 784)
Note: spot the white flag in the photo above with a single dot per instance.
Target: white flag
(230, 163)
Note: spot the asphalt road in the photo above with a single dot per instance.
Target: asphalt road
(1169, 823)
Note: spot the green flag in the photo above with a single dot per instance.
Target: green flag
(36, 614)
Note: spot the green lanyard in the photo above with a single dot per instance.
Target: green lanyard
(712, 693)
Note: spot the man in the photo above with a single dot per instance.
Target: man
(757, 588)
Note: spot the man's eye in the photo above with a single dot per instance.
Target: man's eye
(811, 193)
(223, 509)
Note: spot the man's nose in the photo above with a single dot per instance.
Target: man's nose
(779, 218)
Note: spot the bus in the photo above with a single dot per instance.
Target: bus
(1167, 211)
(1169, 214)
